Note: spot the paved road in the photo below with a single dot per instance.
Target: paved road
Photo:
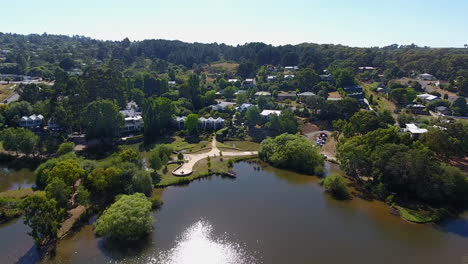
(192, 159)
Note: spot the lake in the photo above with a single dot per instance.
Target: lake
(262, 216)
(13, 179)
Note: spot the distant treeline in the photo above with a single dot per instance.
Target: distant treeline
(31, 52)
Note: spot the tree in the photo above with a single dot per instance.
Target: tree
(229, 92)
(459, 106)
(67, 64)
(343, 77)
(65, 148)
(191, 124)
(19, 140)
(336, 185)
(158, 114)
(59, 191)
(68, 170)
(241, 99)
(30, 93)
(314, 103)
(155, 160)
(103, 120)
(307, 79)
(42, 216)
(128, 219)
(290, 59)
(142, 183)
(252, 116)
(180, 156)
(83, 196)
(104, 180)
(403, 95)
(16, 110)
(246, 70)
(130, 155)
(293, 152)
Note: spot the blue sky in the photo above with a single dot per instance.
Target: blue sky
(355, 23)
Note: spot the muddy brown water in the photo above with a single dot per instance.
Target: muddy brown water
(262, 216)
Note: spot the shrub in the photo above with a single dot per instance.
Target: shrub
(128, 219)
(65, 148)
(336, 185)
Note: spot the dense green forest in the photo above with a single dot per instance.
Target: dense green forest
(37, 55)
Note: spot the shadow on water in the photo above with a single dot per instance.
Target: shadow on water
(458, 226)
(116, 250)
(33, 255)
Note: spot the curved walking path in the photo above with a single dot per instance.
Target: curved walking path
(192, 159)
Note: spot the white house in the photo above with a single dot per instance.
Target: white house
(221, 106)
(262, 93)
(233, 80)
(427, 97)
(171, 83)
(414, 130)
(271, 78)
(426, 77)
(244, 107)
(31, 121)
(268, 113)
(289, 76)
(240, 92)
(133, 119)
(249, 83)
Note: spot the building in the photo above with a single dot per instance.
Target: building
(358, 95)
(248, 83)
(221, 106)
(442, 110)
(267, 113)
(426, 77)
(240, 92)
(232, 80)
(326, 78)
(366, 68)
(262, 93)
(32, 121)
(383, 90)
(440, 83)
(53, 125)
(288, 77)
(211, 123)
(414, 130)
(303, 96)
(427, 97)
(133, 121)
(417, 109)
(283, 96)
(171, 83)
(180, 122)
(244, 107)
(353, 89)
(271, 78)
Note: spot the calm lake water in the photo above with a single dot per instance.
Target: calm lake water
(13, 179)
(266, 216)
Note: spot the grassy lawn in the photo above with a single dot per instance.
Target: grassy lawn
(6, 90)
(180, 144)
(382, 102)
(415, 216)
(200, 170)
(240, 145)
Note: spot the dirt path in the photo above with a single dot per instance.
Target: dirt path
(192, 159)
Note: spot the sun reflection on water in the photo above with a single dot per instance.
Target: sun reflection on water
(197, 245)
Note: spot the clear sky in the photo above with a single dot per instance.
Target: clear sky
(362, 23)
